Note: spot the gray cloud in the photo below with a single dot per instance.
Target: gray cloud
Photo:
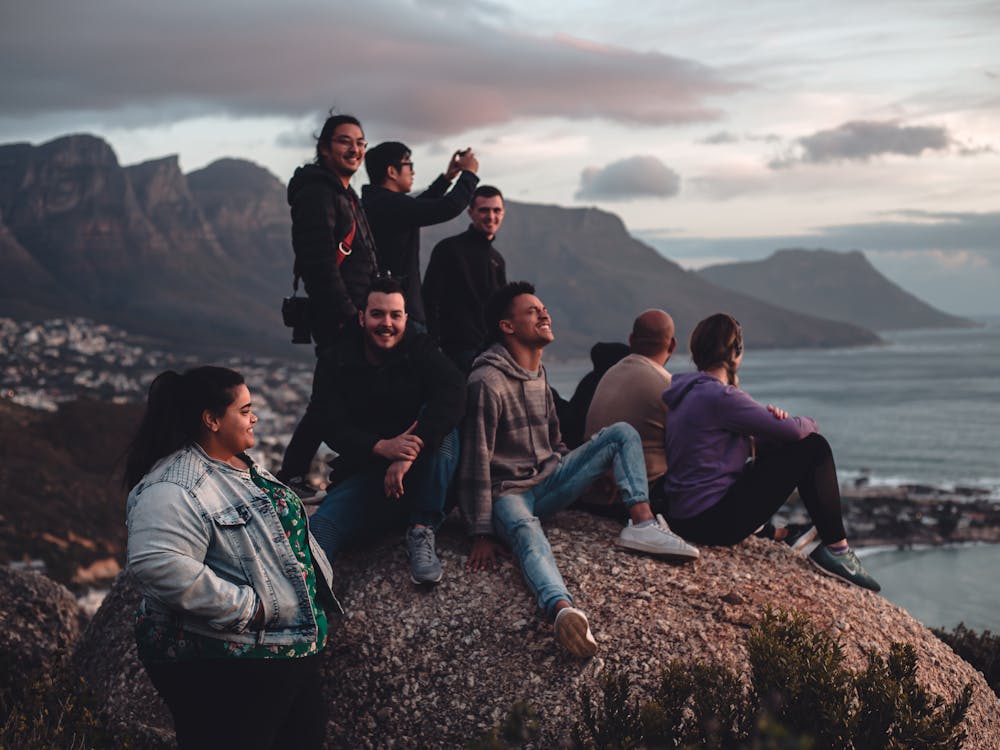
(860, 140)
(422, 70)
(635, 177)
(724, 136)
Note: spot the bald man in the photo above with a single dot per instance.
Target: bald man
(631, 390)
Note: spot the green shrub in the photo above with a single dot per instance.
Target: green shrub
(520, 728)
(801, 697)
(981, 650)
(50, 710)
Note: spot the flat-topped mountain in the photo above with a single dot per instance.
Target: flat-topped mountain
(202, 260)
(834, 285)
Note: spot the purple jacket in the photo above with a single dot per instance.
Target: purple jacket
(707, 439)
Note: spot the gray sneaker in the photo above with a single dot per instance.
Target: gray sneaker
(656, 539)
(573, 632)
(424, 564)
(845, 566)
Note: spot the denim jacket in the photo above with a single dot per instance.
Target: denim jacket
(205, 544)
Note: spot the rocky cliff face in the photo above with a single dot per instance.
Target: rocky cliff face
(838, 286)
(132, 246)
(430, 669)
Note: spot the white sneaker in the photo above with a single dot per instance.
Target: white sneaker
(573, 632)
(656, 539)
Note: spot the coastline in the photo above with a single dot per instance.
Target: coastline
(912, 516)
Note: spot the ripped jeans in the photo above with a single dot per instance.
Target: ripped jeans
(516, 516)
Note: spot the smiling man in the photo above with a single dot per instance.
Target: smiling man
(334, 257)
(516, 469)
(463, 272)
(390, 403)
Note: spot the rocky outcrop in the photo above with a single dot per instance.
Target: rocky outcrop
(39, 626)
(409, 667)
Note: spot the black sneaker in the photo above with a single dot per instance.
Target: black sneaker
(845, 565)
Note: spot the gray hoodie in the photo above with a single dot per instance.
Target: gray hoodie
(510, 439)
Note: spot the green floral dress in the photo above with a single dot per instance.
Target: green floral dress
(158, 642)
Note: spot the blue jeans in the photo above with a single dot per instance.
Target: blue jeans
(516, 516)
(357, 507)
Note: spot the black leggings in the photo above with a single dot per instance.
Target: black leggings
(251, 704)
(764, 487)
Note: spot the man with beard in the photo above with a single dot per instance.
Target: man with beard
(515, 467)
(390, 402)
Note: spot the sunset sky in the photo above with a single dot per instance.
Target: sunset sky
(716, 130)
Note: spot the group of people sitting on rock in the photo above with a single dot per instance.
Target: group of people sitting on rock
(425, 393)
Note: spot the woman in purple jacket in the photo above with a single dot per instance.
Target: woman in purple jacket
(733, 462)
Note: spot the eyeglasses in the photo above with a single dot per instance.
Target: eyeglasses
(346, 141)
(406, 164)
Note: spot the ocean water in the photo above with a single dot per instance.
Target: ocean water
(922, 409)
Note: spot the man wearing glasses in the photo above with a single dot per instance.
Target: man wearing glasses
(396, 217)
(335, 258)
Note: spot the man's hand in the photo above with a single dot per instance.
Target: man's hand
(404, 447)
(394, 478)
(778, 413)
(462, 161)
(483, 555)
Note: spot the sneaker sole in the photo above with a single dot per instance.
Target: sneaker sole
(692, 554)
(420, 582)
(572, 634)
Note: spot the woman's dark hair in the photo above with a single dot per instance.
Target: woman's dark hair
(498, 307)
(332, 123)
(717, 340)
(173, 414)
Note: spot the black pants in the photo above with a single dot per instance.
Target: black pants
(250, 704)
(309, 431)
(764, 487)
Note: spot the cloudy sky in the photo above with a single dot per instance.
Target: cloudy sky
(717, 130)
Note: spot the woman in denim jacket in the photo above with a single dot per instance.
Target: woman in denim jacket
(232, 618)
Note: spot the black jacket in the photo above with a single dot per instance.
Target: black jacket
(323, 211)
(361, 403)
(396, 219)
(463, 272)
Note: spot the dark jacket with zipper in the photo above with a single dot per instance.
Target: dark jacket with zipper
(463, 272)
(323, 212)
(362, 403)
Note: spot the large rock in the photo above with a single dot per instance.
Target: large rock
(409, 667)
(39, 625)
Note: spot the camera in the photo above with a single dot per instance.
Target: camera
(295, 314)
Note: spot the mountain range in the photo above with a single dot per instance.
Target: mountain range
(202, 260)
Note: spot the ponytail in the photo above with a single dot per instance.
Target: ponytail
(717, 341)
(174, 408)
